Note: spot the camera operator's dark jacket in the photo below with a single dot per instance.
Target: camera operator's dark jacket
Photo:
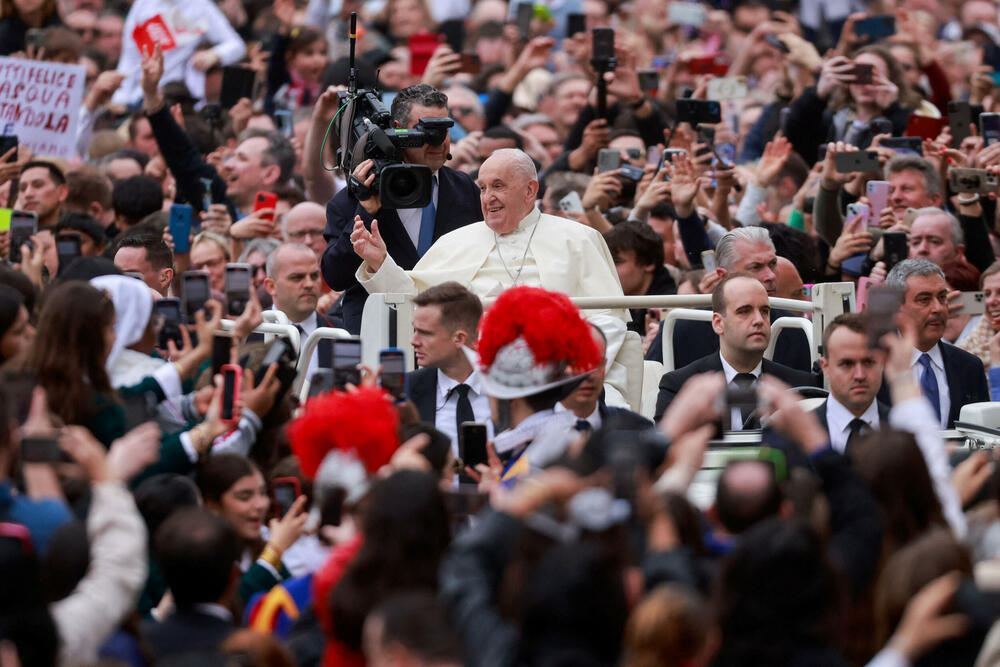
(458, 205)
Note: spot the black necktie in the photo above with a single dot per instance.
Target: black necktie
(583, 426)
(857, 426)
(463, 411)
(746, 381)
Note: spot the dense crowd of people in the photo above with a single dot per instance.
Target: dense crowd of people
(167, 498)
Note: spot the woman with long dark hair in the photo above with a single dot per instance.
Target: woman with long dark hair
(17, 16)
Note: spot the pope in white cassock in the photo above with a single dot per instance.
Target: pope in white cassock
(515, 244)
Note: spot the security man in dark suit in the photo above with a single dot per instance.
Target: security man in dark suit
(447, 389)
(408, 233)
(948, 376)
(741, 318)
(854, 372)
(198, 553)
(587, 400)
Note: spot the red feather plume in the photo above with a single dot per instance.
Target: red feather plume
(362, 422)
(548, 321)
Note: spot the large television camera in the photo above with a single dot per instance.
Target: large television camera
(364, 128)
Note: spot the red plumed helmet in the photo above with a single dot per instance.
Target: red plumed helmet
(531, 340)
(361, 423)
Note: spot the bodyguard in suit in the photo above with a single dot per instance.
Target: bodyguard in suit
(948, 376)
(198, 553)
(446, 389)
(408, 233)
(741, 320)
(587, 400)
(854, 372)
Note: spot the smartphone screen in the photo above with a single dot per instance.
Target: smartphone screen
(238, 281)
(883, 303)
(989, 124)
(284, 496)
(67, 248)
(346, 357)
(525, 11)
(472, 444)
(230, 391)
(895, 248)
(42, 450)
(393, 376)
(604, 43)
(237, 83)
(221, 347)
(8, 141)
(169, 309)
(23, 225)
(195, 292)
(575, 24)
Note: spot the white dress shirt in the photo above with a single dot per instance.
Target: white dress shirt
(839, 418)
(308, 325)
(594, 417)
(937, 363)
(446, 406)
(736, 417)
(410, 217)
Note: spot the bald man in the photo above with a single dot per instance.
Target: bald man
(788, 282)
(304, 224)
(514, 244)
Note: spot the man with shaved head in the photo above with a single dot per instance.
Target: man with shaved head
(514, 244)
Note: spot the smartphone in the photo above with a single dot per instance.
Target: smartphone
(876, 27)
(883, 304)
(422, 47)
(232, 376)
(284, 491)
(571, 203)
(237, 83)
(608, 159)
(472, 444)
(8, 141)
(181, 216)
(716, 65)
(280, 352)
(878, 198)
(865, 285)
(989, 128)
(896, 250)
(741, 398)
(265, 199)
(905, 145)
(707, 112)
(35, 37)
(727, 88)
(880, 126)
(708, 261)
(632, 172)
(525, 12)
(68, 249)
(194, 292)
(283, 119)
(222, 346)
(321, 382)
(346, 357)
(393, 375)
(776, 42)
(857, 161)
(973, 303)
(470, 63)
(603, 44)
(863, 73)
(575, 24)
(959, 120)
(23, 225)
(239, 278)
(169, 309)
(855, 209)
(649, 81)
(924, 127)
(42, 450)
(691, 14)
(979, 181)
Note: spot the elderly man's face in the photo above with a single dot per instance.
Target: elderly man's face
(930, 238)
(506, 194)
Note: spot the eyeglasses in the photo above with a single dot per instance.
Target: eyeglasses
(633, 153)
(82, 32)
(465, 111)
(303, 233)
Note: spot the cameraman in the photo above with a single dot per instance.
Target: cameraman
(454, 204)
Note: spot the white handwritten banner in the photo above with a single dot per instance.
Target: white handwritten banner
(39, 102)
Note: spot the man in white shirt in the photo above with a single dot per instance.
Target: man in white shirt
(294, 283)
(854, 371)
(447, 390)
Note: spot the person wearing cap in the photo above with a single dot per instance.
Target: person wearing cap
(534, 349)
(515, 244)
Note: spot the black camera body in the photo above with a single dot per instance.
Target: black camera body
(366, 133)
